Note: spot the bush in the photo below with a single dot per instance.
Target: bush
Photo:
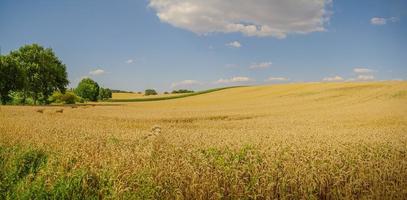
(105, 93)
(67, 98)
(182, 91)
(150, 92)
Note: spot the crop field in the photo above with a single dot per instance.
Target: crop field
(290, 141)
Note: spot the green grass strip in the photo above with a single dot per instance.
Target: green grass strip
(171, 97)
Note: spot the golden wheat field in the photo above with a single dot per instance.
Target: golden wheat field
(290, 141)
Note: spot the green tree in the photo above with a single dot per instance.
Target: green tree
(105, 93)
(88, 89)
(11, 77)
(44, 72)
(150, 92)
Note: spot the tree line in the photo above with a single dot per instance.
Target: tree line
(34, 74)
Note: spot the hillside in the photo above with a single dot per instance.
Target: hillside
(310, 140)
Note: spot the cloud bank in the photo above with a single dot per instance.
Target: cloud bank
(382, 21)
(262, 65)
(362, 70)
(97, 72)
(275, 18)
(276, 79)
(333, 79)
(185, 83)
(235, 44)
(235, 79)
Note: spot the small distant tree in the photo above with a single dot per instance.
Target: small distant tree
(105, 93)
(150, 92)
(181, 91)
(88, 89)
(11, 77)
(166, 92)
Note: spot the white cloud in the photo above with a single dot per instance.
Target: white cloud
(97, 72)
(234, 80)
(378, 21)
(382, 21)
(394, 19)
(363, 70)
(365, 77)
(129, 61)
(235, 44)
(185, 83)
(333, 79)
(275, 18)
(277, 79)
(262, 65)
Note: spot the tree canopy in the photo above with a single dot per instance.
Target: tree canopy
(44, 73)
(88, 89)
(105, 93)
(150, 92)
(11, 77)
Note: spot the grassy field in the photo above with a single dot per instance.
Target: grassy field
(292, 141)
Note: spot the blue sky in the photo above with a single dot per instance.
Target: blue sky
(168, 44)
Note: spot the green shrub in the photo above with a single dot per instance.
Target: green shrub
(20, 178)
(105, 93)
(65, 98)
(150, 92)
(182, 91)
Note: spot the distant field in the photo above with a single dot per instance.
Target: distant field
(292, 141)
(123, 96)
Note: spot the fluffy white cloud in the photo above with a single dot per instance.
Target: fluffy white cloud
(365, 77)
(275, 18)
(233, 80)
(97, 72)
(333, 79)
(277, 79)
(262, 65)
(382, 21)
(362, 70)
(129, 61)
(185, 83)
(235, 44)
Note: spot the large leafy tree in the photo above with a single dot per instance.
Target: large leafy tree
(11, 77)
(44, 72)
(88, 89)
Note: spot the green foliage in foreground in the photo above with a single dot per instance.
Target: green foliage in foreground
(24, 174)
(29, 173)
(214, 173)
(172, 97)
